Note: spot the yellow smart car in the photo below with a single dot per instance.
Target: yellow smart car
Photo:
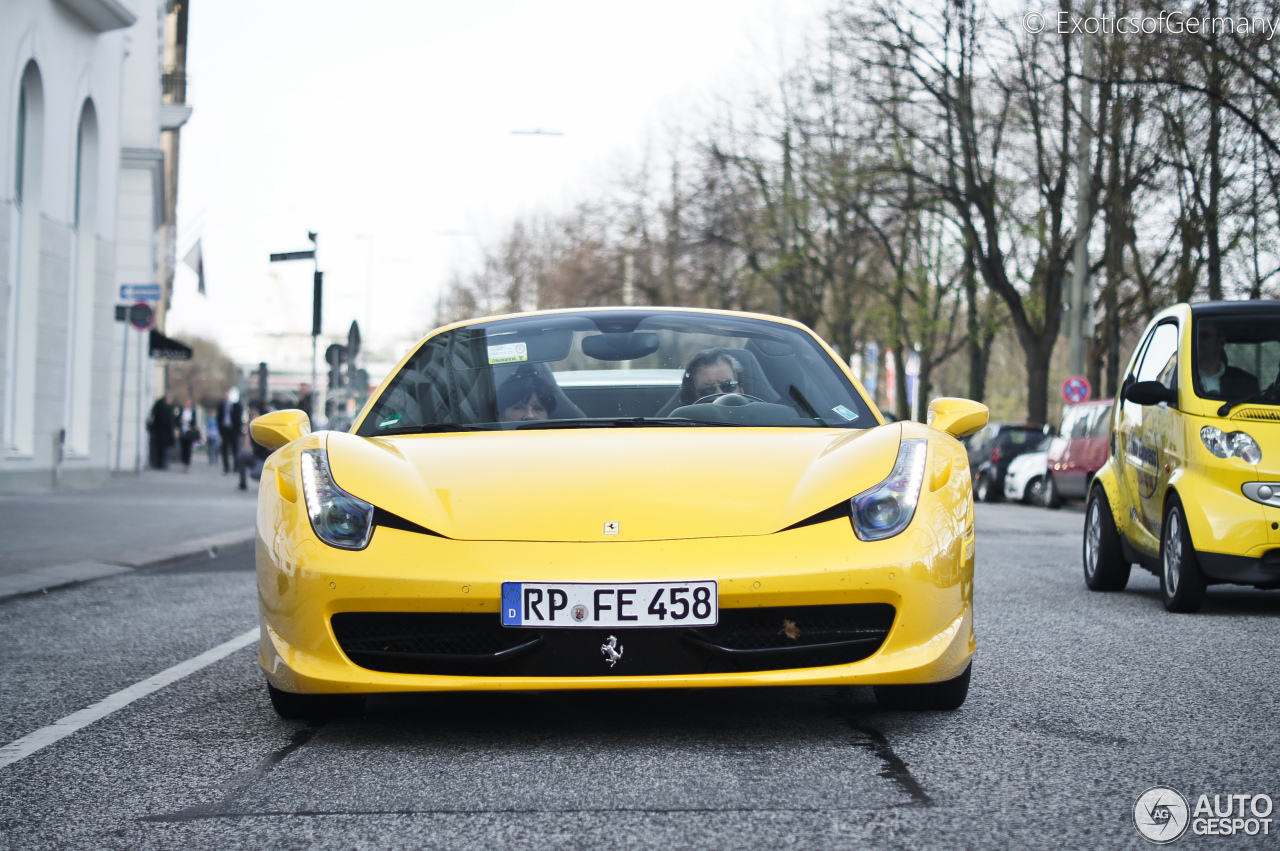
(617, 498)
(1191, 490)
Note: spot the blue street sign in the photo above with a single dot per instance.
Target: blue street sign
(140, 292)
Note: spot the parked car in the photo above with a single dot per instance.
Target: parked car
(1078, 452)
(990, 452)
(1191, 491)
(1024, 481)
(617, 498)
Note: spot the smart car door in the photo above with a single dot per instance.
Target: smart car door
(1146, 436)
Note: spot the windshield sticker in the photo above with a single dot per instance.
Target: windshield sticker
(390, 421)
(508, 353)
(845, 412)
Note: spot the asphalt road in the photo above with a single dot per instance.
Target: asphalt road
(1080, 702)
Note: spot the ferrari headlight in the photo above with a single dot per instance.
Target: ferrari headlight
(887, 509)
(1235, 444)
(338, 518)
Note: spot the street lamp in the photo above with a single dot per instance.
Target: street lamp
(316, 300)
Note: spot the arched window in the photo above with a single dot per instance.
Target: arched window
(24, 269)
(82, 286)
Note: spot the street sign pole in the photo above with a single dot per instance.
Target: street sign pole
(316, 300)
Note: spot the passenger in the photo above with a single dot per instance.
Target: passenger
(525, 397)
(712, 372)
(1216, 376)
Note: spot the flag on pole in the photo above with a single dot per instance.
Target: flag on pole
(195, 260)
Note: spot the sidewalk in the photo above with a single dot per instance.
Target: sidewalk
(60, 537)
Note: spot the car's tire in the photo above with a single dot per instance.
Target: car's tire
(1105, 567)
(1182, 585)
(1052, 497)
(303, 706)
(944, 696)
(1034, 494)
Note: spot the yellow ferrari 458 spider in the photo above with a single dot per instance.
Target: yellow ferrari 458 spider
(617, 498)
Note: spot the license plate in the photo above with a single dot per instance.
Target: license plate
(611, 605)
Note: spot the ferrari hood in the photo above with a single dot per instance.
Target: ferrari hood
(627, 484)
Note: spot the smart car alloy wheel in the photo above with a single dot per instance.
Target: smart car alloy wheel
(1182, 584)
(1105, 567)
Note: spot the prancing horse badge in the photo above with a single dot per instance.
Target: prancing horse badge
(612, 652)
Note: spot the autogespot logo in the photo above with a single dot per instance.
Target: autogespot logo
(1161, 814)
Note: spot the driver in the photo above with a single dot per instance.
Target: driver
(1216, 375)
(525, 397)
(712, 372)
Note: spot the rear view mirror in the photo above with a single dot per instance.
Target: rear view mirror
(618, 347)
(1150, 393)
(957, 417)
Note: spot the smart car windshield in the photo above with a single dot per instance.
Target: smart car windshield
(603, 369)
(1237, 356)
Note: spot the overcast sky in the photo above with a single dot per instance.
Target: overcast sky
(395, 120)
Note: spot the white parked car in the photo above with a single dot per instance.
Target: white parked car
(1024, 481)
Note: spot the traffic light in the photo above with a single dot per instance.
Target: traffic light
(336, 357)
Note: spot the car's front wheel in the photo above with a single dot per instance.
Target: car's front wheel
(943, 696)
(1182, 584)
(1034, 494)
(302, 706)
(1105, 567)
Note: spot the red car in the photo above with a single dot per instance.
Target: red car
(1078, 452)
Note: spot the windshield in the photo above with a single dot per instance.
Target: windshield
(1237, 356)
(617, 368)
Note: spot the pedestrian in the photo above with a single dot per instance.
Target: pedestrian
(188, 433)
(211, 440)
(160, 425)
(230, 427)
(252, 456)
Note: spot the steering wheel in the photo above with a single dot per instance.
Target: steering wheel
(729, 400)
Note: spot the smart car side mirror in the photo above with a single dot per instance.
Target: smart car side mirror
(1150, 393)
(957, 417)
(277, 428)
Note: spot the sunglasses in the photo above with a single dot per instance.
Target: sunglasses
(722, 386)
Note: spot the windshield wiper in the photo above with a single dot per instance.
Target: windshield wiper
(613, 422)
(1257, 394)
(430, 428)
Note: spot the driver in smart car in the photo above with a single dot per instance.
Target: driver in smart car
(1217, 377)
(712, 372)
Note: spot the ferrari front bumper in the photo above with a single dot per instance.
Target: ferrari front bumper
(926, 575)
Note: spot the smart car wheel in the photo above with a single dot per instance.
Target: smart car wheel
(290, 705)
(1181, 582)
(943, 696)
(1034, 494)
(1105, 567)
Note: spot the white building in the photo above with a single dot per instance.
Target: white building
(88, 146)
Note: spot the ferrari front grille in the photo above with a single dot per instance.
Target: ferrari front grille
(764, 639)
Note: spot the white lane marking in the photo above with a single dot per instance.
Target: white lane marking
(32, 742)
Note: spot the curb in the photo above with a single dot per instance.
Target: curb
(63, 575)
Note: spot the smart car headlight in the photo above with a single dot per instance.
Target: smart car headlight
(1235, 444)
(338, 518)
(887, 509)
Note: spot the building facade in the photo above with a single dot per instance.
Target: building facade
(89, 115)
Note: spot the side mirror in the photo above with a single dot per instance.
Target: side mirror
(1150, 393)
(277, 428)
(957, 417)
